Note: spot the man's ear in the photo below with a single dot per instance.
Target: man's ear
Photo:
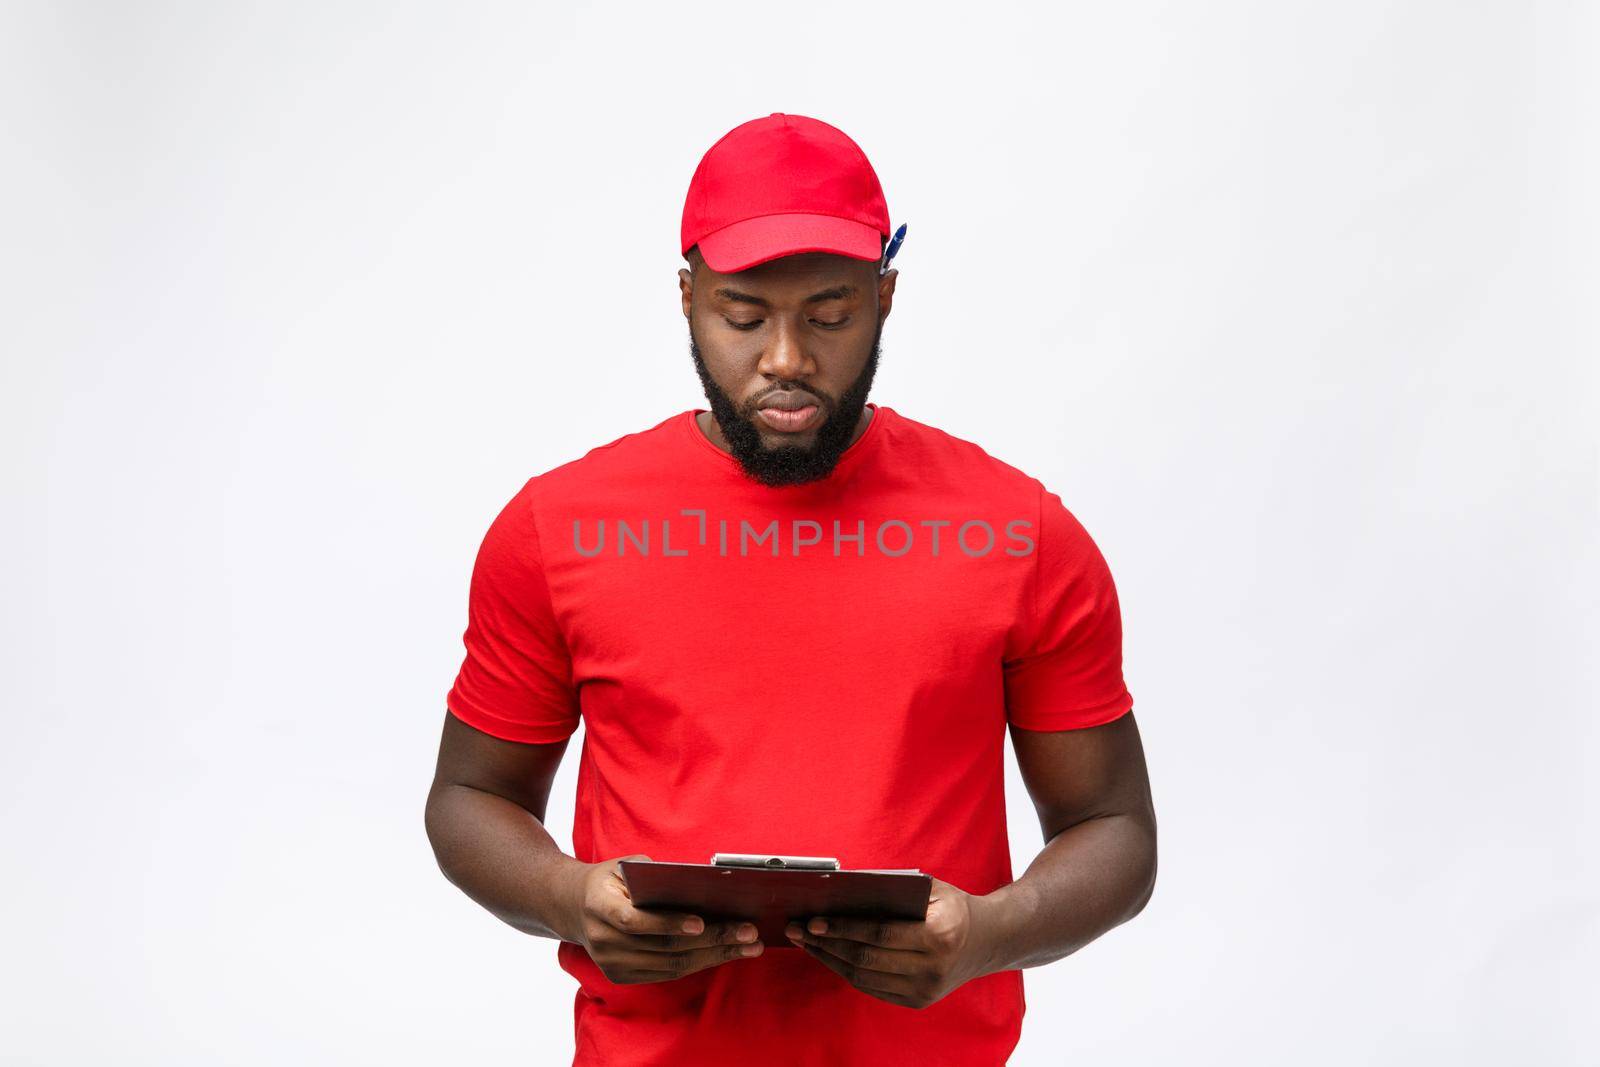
(886, 292)
(686, 289)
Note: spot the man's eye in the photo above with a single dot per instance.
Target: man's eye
(737, 325)
(831, 325)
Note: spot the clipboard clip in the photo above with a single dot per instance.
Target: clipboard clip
(793, 863)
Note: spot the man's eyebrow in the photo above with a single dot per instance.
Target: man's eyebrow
(838, 292)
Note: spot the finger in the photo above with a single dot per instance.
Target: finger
(899, 934)
(632, 920)
(862, 955)
(732, 932)
(896, 989)
(664, 966)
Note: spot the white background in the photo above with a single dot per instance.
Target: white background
(1294, 304)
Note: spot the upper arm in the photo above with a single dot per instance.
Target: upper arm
(1067, 704)
(520, 771)
(1063, 657)
(516, 680)
(1075, 775)
(513, 706)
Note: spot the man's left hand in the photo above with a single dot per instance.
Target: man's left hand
(913, 964)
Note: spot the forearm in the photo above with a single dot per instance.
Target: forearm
(500, 855)
(1089, 878)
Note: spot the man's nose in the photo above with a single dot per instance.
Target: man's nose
(786, 355)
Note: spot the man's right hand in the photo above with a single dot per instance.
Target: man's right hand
(632, 946)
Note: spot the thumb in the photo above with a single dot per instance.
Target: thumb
(616, 872)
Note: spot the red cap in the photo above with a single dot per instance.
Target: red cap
(781, 185)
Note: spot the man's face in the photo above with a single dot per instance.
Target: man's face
(786, 352)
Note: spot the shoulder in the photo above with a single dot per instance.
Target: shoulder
(937, 456)
(603, 472)
(935, 453)
(633, 458)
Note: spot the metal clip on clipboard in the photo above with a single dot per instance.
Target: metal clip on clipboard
(795, 863)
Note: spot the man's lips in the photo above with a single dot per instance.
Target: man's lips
(789, 401)
(789, 412)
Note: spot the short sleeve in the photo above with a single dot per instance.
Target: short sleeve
(516, 680)
(1063, 669)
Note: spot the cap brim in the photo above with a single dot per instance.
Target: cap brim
(745, 244)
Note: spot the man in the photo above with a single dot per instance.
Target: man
(795, 624)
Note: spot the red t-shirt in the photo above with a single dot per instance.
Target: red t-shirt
(822, 670)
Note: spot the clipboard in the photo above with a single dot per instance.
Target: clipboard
(772, 891)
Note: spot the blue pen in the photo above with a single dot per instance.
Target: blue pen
(894, 246)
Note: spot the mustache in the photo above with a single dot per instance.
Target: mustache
(826, 402)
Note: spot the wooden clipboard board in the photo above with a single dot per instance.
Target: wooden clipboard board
(782, 889)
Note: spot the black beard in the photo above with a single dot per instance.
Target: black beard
(789, 464)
